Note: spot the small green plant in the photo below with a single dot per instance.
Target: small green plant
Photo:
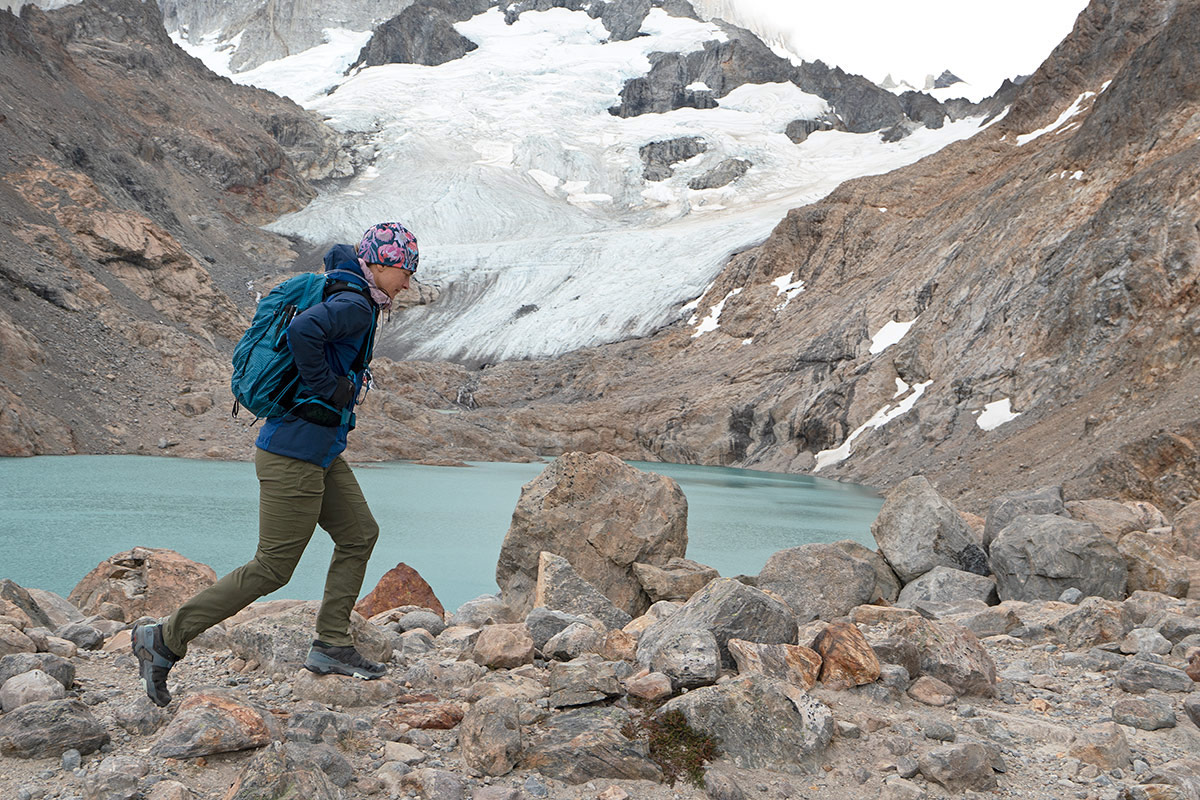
(680, 750)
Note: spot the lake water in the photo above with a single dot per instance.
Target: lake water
(62, 515)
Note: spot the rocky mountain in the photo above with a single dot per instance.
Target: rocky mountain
(265, 29)
(1017, 310)
(133, 183)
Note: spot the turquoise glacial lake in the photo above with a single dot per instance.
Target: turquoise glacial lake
(62, 515)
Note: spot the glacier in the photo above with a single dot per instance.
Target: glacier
(527, 196)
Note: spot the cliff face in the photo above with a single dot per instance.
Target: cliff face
(133, 181)
(1057, 272)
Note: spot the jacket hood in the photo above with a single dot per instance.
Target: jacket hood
(342, 256)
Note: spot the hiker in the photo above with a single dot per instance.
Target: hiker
(303, 479)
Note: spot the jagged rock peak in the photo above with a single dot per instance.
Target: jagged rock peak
(423, 33)
(947, 78)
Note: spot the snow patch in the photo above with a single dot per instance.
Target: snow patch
(713, 320)
(698, 86)
(901, 388)
(788, 288)
(1076, 107)
(883, 416)
(889, 334)
(996, 414)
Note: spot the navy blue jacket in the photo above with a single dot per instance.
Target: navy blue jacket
(324, 340)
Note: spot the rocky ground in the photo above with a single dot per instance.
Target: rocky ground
(1046, 651)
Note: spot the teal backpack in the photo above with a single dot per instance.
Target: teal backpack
(265, 378)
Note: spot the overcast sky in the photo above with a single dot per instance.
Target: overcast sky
(982, 42)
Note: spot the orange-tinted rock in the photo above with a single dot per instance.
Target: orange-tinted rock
(1193, 667)
(846, 658)
(142, 582)
(799, 666)
(399, 586)
(932, 692)
(436, 716)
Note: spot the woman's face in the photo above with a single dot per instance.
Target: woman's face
(391, 280)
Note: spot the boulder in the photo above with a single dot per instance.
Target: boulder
(945, 650)
(797, 665)
(1103, 746)
(1149, 515)
(1007, 507)
(139, 716)
(761, 722)
(1153, 566)
(729, 610)
(433, 784)
(887, 585)
(1038, 557)
(13, 641)
(959, 767)
(652, 686)
(206, 724)
(18, 597)
(689, 659)
(56, 667)
(504, 646)
(678, 579)
(29, 687)
(400, 586)
(585, 744)
(619, 646)
(544, 624)
(422, 716)
(82, 635)
(1181, 774)
(1138, 676)
(1093, 622)
(584, 680)
(1187, 529)
(917, 530)
(657, 612)
(279, 640)
(1112, 518)
(487, 609)
(573, 641)
(490, 736)
(57, 608)
(1145, 640)
(946, 588)
(116, 778)
(560, 588)
(421, 619)
(1147, 714)
(1175, 625)
(142, 582)
(932, 692)
(339, 690)
(818, 581)
(444, 676)
(602, 516)
(49, 729)
(277, 771)
(846, 658)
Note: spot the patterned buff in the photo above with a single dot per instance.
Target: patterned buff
(390, 244)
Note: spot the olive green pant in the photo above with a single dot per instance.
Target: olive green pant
(294, 497)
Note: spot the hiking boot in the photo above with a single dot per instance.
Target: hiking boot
(325, 659)
(155, 660)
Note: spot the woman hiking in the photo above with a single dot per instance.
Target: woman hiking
(303, 479)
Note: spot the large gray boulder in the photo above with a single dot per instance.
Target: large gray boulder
(761, 722)
(946, 588)
(1112, 518)
(677, 580)
(1007, 507)
(917, 530)
(602, 516)
(49, 729)
(585, 744)
(943, 650)
(887, 585)
(729, 610)
(819, 581)
(1038, 557)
